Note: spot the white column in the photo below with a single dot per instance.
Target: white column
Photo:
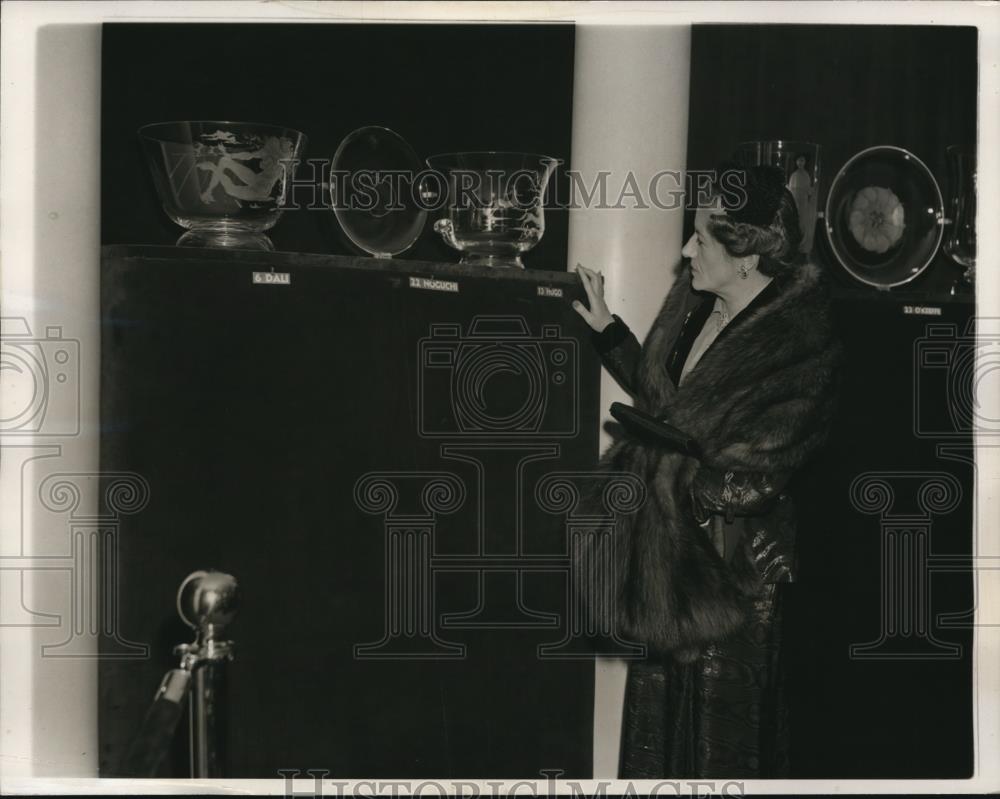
(630, 114)
(51, 199)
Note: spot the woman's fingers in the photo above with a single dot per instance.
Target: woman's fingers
(593, 284)
(581, 270)
(589, 274)
(591, 294)
(597, 282)
(588, 317)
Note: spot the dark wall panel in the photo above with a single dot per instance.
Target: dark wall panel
(906, 712)
(252, 411)
(845, 87)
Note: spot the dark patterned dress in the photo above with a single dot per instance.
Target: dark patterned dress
(723, 715)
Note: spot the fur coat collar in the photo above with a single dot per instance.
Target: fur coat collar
(760, 399)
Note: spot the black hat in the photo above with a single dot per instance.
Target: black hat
(754, 194)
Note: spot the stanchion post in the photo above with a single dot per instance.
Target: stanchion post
(206, 601)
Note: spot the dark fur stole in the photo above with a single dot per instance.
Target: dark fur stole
(760, 399)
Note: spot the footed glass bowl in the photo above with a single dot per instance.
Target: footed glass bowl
(225, 182)
(496, 204)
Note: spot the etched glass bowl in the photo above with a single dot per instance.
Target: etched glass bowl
(495, 208)
(225, 182)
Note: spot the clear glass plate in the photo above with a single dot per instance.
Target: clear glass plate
(374, 194)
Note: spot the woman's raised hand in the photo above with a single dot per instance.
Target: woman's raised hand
(597, 316)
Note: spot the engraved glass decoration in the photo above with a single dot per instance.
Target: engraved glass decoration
(495, 208)
(226, 182)
(960, 243)
(800, 162)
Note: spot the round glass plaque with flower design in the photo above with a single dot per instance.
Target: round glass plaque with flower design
(884, 216)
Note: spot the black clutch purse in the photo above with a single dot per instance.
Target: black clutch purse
(652, 430)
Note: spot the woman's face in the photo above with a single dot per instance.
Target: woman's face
(712, 268)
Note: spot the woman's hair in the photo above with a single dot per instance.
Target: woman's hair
(761, 217)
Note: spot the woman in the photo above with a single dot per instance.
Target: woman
(741, 358)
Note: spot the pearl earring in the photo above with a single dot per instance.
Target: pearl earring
(744, 271)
